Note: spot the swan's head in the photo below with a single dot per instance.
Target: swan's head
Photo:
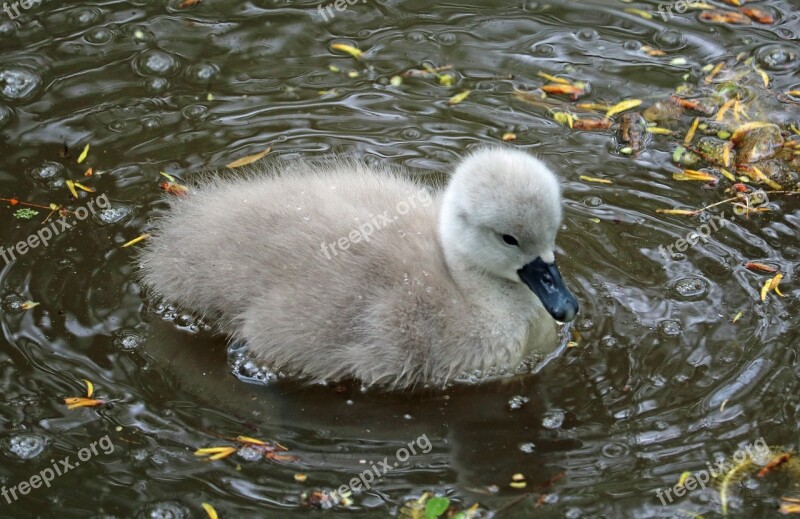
(500, 215)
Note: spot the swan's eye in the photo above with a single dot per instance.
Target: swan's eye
(510, 240)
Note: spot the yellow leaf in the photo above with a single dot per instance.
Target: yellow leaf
(690, 174)
(89, 388)
(244, 161)
(136, 240)
(623, 106)
(764, 77)
(168, 176)
(247, 439)
(349, 49)
(765, 179)
(83, 155)
(595, 180)
(508, 136)
(212, 514)
(737, 317)
(691, 132)
(76, 402)
(659, 131)
(211, 450)
(681, 212)
(71, 187)
(554, 79)
(459, 97)
(83, 188)
(683, 478)
(644, 14)
(727, 174)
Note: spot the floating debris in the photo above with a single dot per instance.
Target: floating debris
(244, 161)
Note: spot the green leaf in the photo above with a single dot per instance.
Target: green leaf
(436, 506)
(25, 214)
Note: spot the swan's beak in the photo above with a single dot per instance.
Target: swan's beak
(545, 281)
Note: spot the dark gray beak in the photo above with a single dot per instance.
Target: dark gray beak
(545, 281)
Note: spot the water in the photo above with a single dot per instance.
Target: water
(660, 381)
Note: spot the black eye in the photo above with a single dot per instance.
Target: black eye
(510, 240)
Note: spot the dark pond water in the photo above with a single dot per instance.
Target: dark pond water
(661, 380)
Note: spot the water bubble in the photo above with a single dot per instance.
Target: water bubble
(164, 510)
(195, 112)
(632, 45)
(112, 215)
(528, 448)
(593, 201)
(128, 340)
(156, 85)
(587, 34)
(415, 37)
(151, 123)
(202, 72)
(608, 342)
(155, 62)
(13, 304)
(6, 114)
(669, 39)
(615, 450)
(26, 446)
(84, 17)
(19, 84)
(553, 419)
(669, 328)
(7, 28)
(778, 58)
(542, 50)
(690, 288)
(447, 39)
(99, 36)
(517, 401)
(48, 171)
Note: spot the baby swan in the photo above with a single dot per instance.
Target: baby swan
(339, 270)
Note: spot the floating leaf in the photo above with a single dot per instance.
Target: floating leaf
(83, 154)
(27, 305)
(774, 463)
(174, 189)
(508, 136)
(592, 123)
(349, 49)
(25, 214)
(76, 402)
(89, 388)
(436, 507)
(83, 188)
(458, 97)
(212, 514)
(595, 180)
(244, 161)
(573, 91)
(737, 317)
(691, 174)
(758, 15)
(136, 240)
(71, 187)
(518, 481)
(680, 212)
(638, 12)
(623, 106)
(752, 265)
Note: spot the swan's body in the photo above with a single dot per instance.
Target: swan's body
(338, 270)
